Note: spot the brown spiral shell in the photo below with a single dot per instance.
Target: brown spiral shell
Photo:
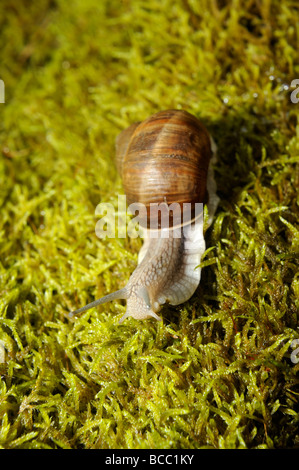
(164, 159)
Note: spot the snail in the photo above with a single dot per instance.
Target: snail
(165, 161)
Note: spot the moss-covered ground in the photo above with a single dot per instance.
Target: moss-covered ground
(218, 371)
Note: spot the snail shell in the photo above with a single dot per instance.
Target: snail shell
(164, 160)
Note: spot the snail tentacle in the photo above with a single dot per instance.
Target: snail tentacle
(117, 295)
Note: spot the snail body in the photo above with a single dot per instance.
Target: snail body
(165, 161)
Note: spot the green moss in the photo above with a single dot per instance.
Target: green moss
(217, 371)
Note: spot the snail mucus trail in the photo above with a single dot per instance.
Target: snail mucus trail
(165, 159)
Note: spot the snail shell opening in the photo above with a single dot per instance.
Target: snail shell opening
(164, 162)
